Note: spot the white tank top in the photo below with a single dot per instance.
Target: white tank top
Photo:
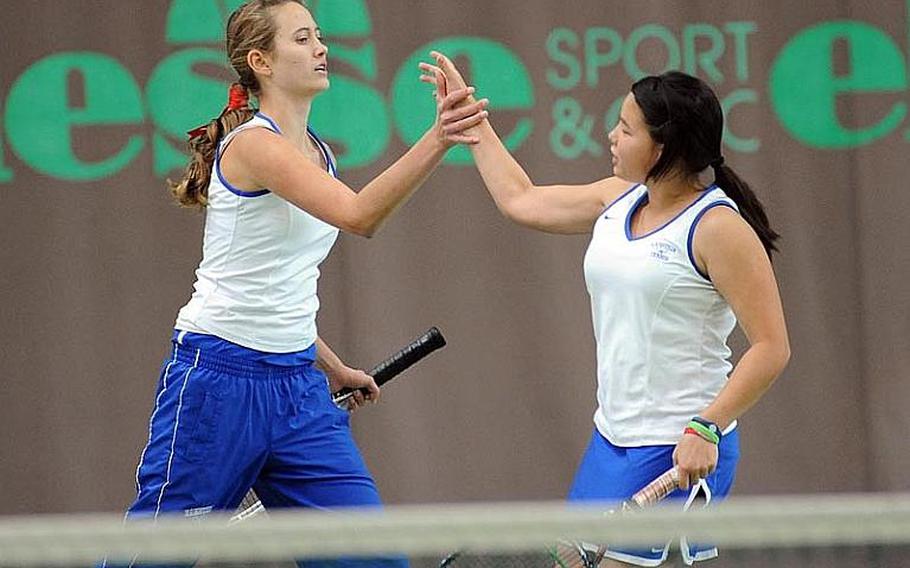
(660, 325)
(256, 283)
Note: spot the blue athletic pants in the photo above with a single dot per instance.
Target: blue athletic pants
(227, 418)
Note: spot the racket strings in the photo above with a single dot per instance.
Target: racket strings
(568, 554)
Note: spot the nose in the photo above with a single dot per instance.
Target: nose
(321, 48)
(611, 136)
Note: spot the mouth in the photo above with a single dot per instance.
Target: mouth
(322, 68)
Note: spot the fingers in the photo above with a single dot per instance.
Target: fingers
(456, 96)
(444, 63)
(691, 476)
(433, 75)
(450, 128)
(453, 75)
(464, 111)
(429, 69)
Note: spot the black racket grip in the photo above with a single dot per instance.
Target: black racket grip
(399, 362)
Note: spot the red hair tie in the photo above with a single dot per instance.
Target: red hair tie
(238, 98)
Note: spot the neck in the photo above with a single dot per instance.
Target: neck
(291, 115)
(670, 193)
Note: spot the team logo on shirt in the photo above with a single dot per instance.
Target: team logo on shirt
(663, 251)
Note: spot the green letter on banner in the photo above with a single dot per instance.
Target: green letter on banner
(595, 59)
(352, 116)
(198, 21)
(179, 100)
(491, 67)
(706, 60)
(348, 19)
(804, 86)
(342, 18)
(39, 119)
(658, 32)
(6, 174)
(555, 41)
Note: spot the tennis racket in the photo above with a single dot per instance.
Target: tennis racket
(382, 373)
(570, 554)
(654, 492)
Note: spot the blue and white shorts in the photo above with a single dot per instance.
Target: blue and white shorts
(613, 473)
(227, 418)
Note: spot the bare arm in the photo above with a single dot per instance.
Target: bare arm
(554, 209)
(729, 251)
(340, 375)
(568, 209)
(265, 159)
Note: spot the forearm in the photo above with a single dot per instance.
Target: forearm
(757, 370)
(504, 177)
(326, 359)
(385, 194)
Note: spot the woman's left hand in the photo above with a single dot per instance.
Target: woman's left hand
(695, 458)
(354, 379)
(456, 110)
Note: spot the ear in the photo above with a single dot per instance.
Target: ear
(259, 62)
(658, 152)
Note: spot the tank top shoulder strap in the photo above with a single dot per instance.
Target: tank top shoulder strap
(715, 198)
(621, 204)
(327, 153)
(259, 120)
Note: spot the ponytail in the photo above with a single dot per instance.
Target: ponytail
(192, 189)
(749, 206)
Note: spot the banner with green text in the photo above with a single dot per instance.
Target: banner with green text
(95, 102)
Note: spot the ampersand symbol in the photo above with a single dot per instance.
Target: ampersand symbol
(571, 137)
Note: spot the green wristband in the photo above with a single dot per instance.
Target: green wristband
(704, 432)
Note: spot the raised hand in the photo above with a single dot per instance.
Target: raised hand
(456, 109)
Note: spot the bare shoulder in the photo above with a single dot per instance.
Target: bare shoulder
(254, 139)
(252, 154)
(612, 188)
(722, 223)
(724, 238)
(258, 146)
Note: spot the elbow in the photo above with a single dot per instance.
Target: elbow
(357, 222)
(520, 211)
(785, 355)
(362, 229)
(780, 357)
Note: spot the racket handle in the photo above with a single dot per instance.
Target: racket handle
(654, 492)
(399, 362)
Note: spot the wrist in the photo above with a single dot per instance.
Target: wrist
(704, 429)
(437, 143)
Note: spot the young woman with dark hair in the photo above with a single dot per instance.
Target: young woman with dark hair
(679, 253)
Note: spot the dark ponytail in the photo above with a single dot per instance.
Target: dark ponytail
(749, 206)
(684, 116)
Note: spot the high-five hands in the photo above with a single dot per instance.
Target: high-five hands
(456, 109)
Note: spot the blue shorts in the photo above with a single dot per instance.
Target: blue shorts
(227, 418)
(613, 473)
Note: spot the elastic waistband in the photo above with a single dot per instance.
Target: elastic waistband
(213, 353)
(203, 360)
